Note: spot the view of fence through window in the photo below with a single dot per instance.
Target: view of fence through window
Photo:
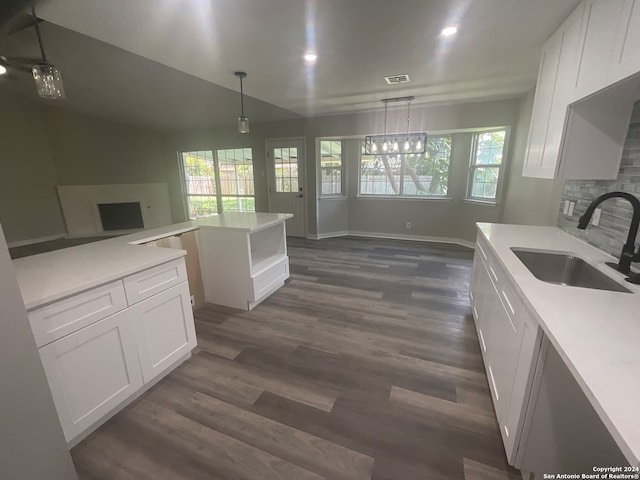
(285, 163)
(218, 185)
(331, 167)
(408, 175)
(485, 164)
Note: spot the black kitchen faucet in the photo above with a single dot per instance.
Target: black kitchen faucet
(628, 254)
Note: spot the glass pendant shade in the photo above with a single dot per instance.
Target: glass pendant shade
(243, 124)
(48, 81)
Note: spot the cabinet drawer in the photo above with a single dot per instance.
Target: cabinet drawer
(154, 280)
(263, 283)
(61, 318)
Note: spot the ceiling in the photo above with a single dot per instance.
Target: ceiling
(172, 61)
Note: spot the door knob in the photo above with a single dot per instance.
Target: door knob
(300, 196)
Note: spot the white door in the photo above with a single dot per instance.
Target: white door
(92, 371)
(285, 161)
(164, 329)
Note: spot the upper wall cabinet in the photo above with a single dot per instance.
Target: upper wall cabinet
(626, 48)
(580, 118)
(597, 37)
(552, 97)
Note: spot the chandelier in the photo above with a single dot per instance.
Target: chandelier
(397, 143)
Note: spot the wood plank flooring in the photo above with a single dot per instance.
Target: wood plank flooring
(365, 365)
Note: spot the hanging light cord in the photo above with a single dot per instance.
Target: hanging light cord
(241, 98)
(408, 116)
(35, 19)
(385, 120)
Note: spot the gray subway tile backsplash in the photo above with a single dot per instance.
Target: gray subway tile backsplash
(611, 234)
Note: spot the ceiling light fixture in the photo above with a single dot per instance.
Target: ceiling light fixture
(3, 69)
(449, 31)
(243, 122)
(47, 77)
(412, 143)
(310, 57)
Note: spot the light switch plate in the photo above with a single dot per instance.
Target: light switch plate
(595, 220)
(565, 210)
(571, 207)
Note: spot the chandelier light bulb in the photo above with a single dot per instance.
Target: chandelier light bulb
(374, 147)
(419, 145)
(395, 145)
(385, 147)
(407, 146)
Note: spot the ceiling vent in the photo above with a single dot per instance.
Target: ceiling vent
(397, 79)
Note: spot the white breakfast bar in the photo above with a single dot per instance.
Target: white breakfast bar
(112, 318)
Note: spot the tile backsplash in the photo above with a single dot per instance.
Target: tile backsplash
(611, 233)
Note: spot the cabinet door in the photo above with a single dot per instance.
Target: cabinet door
(511, 427)
(601, 19)
(542, 104)
(626, 50)
(92, 371)
(553, 95)
(164, 329)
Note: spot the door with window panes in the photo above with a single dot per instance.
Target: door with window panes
(285, 161)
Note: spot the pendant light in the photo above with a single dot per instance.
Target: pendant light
(47, 77)
(243, 122)
(408, 143)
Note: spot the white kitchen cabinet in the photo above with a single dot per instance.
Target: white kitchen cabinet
(154, 280)
(625, 59)
(553, 92)
(164, 329)
(242, 266)
(92, 371)
(597, 37)
(509, 340)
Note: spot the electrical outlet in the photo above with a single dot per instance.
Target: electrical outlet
(408, 225)
(193, 300)
(595, 220)
(571, 207)
(565, 210)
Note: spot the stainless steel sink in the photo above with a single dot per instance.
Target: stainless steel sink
(563, 269)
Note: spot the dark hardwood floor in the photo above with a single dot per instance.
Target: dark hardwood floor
(365, 365)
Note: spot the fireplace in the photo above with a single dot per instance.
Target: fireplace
(120, 216)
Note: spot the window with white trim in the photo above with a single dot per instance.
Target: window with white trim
(331, 167)
(218, 183)
(487, 154)
(408, 175)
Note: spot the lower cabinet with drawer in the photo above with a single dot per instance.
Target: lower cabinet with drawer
(97, 361)
(509, 341)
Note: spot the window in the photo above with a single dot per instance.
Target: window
(285, 164)
(425, 175)
(486, 163)
(331, 167)
(219, 184)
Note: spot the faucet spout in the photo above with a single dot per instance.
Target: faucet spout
(628, 254)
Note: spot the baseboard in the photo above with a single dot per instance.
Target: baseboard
(396, 236)
(22, 243)
(320, 236)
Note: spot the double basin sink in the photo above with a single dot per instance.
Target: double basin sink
(563, 269)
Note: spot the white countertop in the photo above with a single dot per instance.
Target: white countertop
(596, 332)
(51, 276)
(248, 222)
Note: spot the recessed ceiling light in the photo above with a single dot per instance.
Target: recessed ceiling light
(3, 69)
(310, 57)
(448, 31)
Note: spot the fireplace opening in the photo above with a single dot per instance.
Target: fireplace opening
(120, 216)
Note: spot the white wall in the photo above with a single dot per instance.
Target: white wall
(28, 201)
(32, 445)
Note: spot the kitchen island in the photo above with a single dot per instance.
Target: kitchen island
(112, 318)
(593, 334)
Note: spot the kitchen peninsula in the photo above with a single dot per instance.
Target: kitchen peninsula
(112, 318)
